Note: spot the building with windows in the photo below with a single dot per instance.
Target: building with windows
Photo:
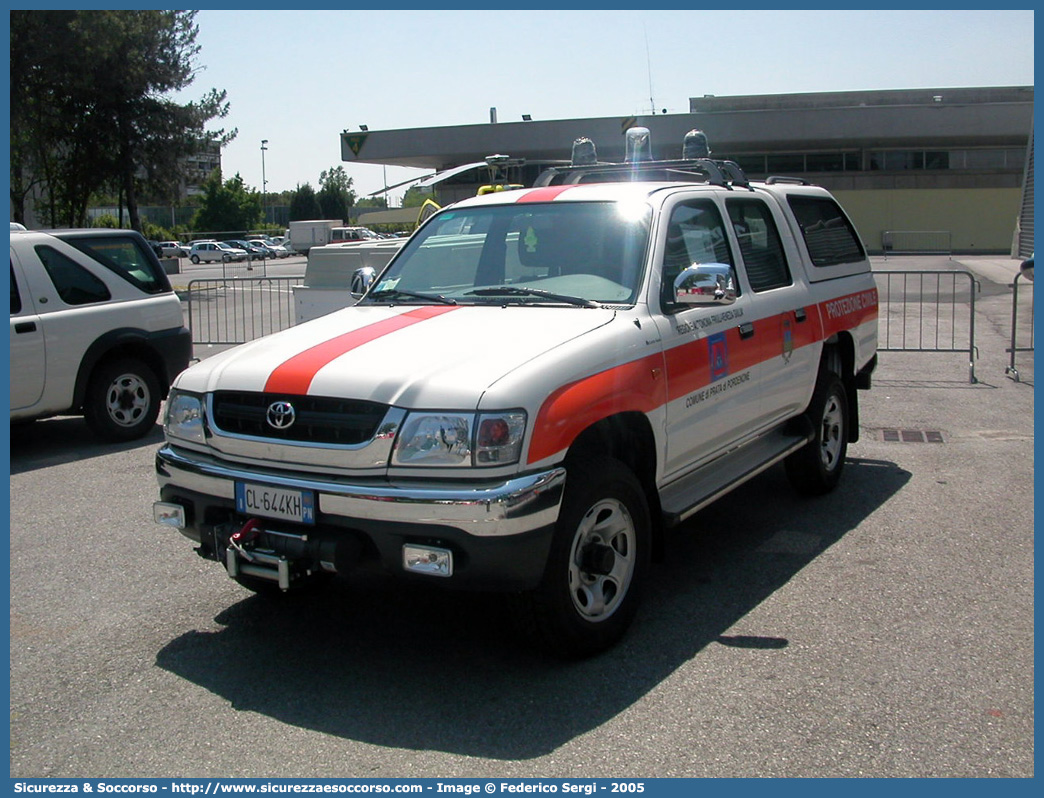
(957, 161)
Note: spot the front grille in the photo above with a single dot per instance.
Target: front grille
(318, 419)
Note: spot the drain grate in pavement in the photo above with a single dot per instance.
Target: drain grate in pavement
(911, 436)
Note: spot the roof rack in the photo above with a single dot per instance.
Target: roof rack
(797, 181)
(693, 167)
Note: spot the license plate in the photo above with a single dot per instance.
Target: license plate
(271, 502)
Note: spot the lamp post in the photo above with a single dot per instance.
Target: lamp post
(264, 183)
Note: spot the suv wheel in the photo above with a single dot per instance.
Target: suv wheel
(122, 401)
(597, 563)
(194, 259)
(816, 468)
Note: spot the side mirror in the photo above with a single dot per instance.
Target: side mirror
(362, 279)
(705, 284)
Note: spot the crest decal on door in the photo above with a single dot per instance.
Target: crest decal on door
(719, 356)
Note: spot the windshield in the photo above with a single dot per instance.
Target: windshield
(577, 253)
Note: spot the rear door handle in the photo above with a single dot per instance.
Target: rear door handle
(746, 330)
(25, 327)
(800, 314)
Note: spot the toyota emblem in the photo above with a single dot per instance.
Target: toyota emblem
(281, 415)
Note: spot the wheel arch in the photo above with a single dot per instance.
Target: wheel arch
(839, 357)
(628, 437)
(114, 345)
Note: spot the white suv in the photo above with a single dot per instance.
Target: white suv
(95, 330)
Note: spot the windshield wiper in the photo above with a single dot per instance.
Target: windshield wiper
(395, 293)
(517, 290)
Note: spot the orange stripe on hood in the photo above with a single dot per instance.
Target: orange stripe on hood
(296, 374)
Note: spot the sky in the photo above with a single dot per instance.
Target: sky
(298, 78)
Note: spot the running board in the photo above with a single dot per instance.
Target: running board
(693, 492)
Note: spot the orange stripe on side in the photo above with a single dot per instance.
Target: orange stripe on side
(296, 374)
(847, 312)
(638, 386)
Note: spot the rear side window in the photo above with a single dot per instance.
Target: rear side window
(16, 298)
(128, 258)
(74, 284)
(759, 243)
(830, 238)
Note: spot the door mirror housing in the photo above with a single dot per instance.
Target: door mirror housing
(705, 284)
(362, 279)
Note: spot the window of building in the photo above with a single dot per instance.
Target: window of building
(751, 164)
(785, 163)
(990, 158)
(825, 162)
(896, 160)
(937, 159)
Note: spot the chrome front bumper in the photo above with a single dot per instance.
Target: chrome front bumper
(482, 509)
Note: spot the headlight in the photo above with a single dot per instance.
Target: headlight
(460, 439)
(184, 417)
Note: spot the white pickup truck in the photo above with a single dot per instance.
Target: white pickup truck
(539, 385)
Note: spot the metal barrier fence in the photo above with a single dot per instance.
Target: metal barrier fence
(1023, 342)
(235, 310)
(917, 242)
(924, 311)
(919, 311)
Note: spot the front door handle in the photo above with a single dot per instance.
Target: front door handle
(25, 327)
(746, 330)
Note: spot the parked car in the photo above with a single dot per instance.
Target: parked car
(172, 249)
(252, 249)
(210, 251)
(273, 249)
(96, 330)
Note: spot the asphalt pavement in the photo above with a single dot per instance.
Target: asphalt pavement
(883, 630)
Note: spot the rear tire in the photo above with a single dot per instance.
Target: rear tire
(597, 564)
(816, 468)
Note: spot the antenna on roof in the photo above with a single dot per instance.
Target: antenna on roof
(648, 68)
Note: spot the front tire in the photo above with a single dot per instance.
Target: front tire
(598, 561)
(122, 400)
(194, 259)
(816, 468)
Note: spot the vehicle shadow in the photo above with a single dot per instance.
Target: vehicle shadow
(66, 439)
(418, 669)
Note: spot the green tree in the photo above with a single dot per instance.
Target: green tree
(304, 205)
(335, 195)
(415, 197)
(227, 206)
(90, 107)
